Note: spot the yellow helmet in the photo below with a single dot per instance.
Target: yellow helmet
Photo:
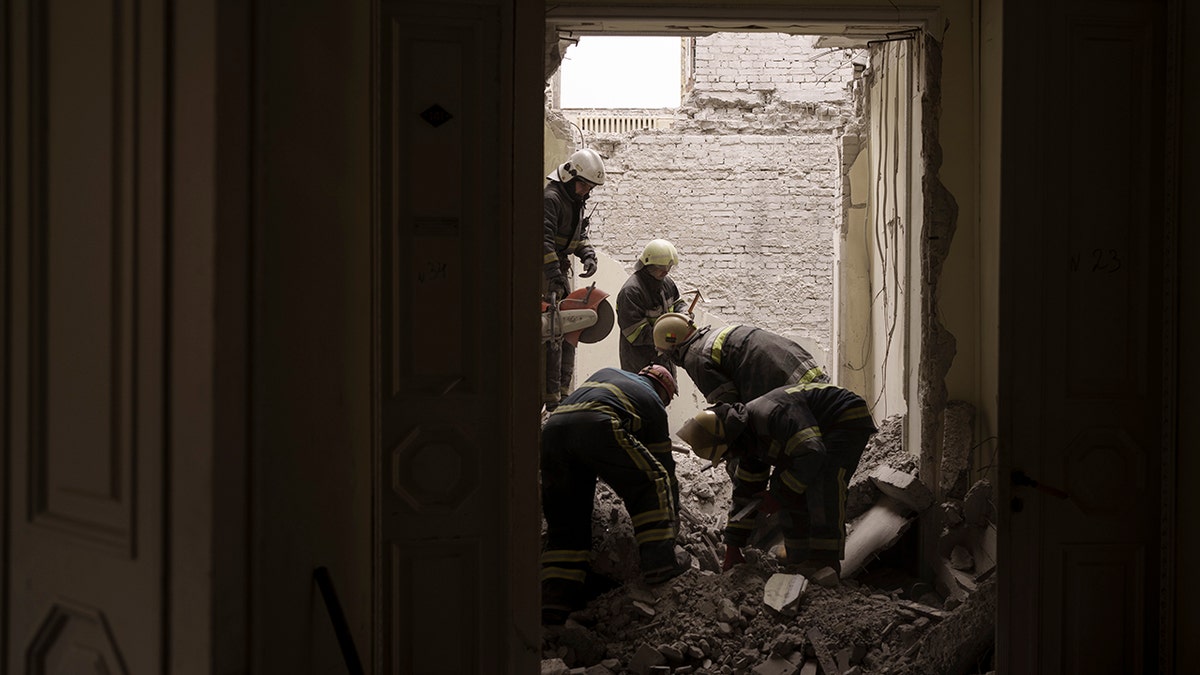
(706, 434)
(658, 252)
(671, 329)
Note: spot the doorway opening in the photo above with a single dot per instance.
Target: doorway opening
(866, 303)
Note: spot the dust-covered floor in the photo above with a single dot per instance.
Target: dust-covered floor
(882, 620)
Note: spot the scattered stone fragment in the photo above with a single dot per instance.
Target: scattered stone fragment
(671, 653)
(554, 667)
(643, 609)
(729, 613)
(646, 657)
(783, 592)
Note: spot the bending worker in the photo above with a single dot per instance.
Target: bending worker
(737, 363)
(797, 448)
(565, 233)
(648, 293)
(613, 427)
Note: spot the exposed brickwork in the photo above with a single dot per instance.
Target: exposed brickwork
(749, 187)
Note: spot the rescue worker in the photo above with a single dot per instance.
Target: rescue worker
(797, 447)
(565, 233)
(613, 427)
(647, 294)
(737, 363)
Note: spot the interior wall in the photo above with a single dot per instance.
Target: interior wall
(891, 218)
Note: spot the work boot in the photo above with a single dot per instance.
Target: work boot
(664, 573)
(825, 573)
(559, 599)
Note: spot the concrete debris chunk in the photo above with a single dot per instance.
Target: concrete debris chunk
(728, 612)
(646, 658)
(903, 487)
(554, 667)
(783, 592)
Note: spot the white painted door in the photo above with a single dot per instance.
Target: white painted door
(84, 280)
(458, 405)
(1083, 338)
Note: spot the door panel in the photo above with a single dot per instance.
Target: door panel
(85, 434)
(446, 338)
(1082, 392)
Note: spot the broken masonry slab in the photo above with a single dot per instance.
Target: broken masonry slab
(876, 530)
(903, 487)
(817, 639)
(783, 592)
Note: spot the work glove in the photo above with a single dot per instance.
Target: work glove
(733, 556)
(589, 266)
(557, 288)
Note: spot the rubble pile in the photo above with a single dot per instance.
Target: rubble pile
(761, 618)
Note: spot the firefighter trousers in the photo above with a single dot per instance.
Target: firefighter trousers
(577, 449)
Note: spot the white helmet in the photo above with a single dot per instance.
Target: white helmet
(657, 252)
(585, 164)
(671, 329)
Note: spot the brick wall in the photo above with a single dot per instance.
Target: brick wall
(748, 187)
(769, 66)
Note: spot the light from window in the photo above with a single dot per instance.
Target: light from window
(621, 72)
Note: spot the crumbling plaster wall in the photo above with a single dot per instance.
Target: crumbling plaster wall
(747, 184)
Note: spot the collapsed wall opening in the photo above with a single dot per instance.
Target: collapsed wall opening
(805, 212)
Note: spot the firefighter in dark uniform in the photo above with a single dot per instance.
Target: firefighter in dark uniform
(613, 427)
(797, 448)
(737, 363)
(565, 233)
(648, 293)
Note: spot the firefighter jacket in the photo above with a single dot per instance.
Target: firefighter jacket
(778, 439)
(639, 304)
(626, 397)
(564, 229)
(739, 363)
